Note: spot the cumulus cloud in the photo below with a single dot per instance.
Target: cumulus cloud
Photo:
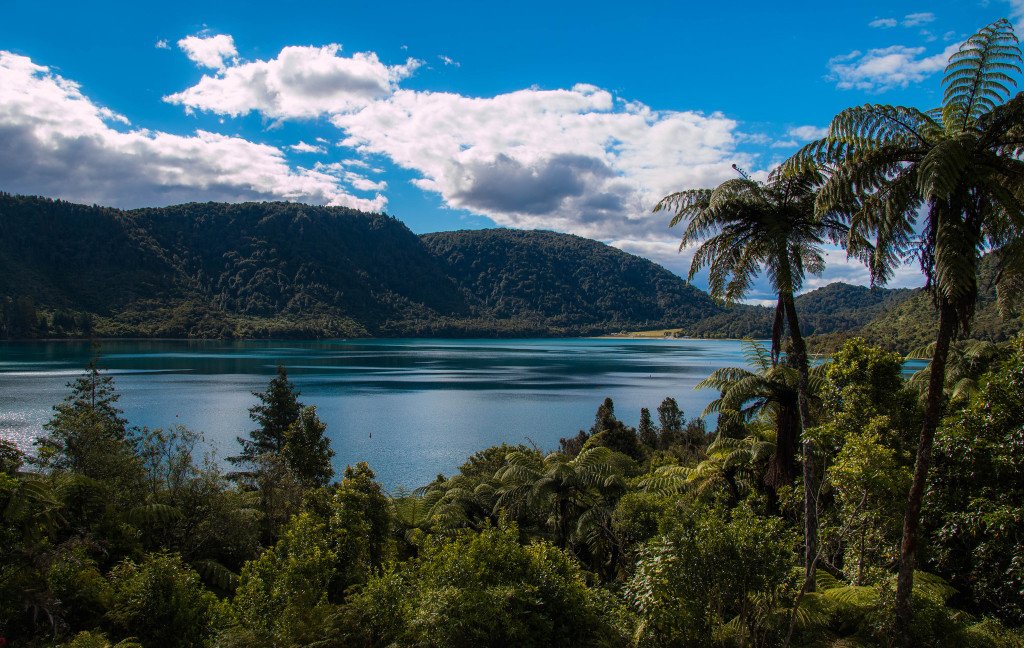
(209, 51)
(447, 60)
(55, 141)
(301, 82)
(883, 23)
(162, 44)
(303, 147)
(885, 68)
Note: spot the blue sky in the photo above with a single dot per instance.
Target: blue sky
(567, 116)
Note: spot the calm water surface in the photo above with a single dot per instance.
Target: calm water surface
(411, 408)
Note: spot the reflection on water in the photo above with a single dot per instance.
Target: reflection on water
(428, 404)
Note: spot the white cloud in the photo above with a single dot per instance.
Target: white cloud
(447, 60)
(572, 160)
(915, 19)
(882, 69)
(209, 51)
(807, 133)
(790, 143)
(162, 44)
(301, 82)
(303, 147)
(55, 141)
(883, 23)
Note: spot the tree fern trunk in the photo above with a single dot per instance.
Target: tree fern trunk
(803, 400)
(912, 519)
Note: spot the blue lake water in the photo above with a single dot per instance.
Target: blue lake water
(410, 408)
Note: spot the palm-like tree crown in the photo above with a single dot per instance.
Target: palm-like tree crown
(769, 394)
(558, 486)
(745, 226)
(958, 164)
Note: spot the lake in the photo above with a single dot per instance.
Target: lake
(411, 408)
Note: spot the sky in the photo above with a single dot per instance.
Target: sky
(570, 116)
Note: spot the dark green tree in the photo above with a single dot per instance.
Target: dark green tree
(614, 433)
(670, 417)
(278, 409)
(87, 433)
(307, 451)
(646, 431)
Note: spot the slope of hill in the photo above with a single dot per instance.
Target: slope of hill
(834, 308)
(282, 269)
(913, 322)
(566, 281)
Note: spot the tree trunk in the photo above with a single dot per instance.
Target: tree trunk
(563, 527)
(912, 519)
(803, 400)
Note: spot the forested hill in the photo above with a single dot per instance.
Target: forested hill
(565, 280)
(283, 269)
(912, 323)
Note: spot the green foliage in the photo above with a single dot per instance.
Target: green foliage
(974, 509)
(74, 578)
(307, 451)
(98, 640)
(282, 595)
(711, 576)
(482, 589)
(161, 601)
(559, 489)
(870, 419)
(288, 595)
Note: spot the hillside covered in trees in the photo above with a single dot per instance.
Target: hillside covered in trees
(289, 270)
